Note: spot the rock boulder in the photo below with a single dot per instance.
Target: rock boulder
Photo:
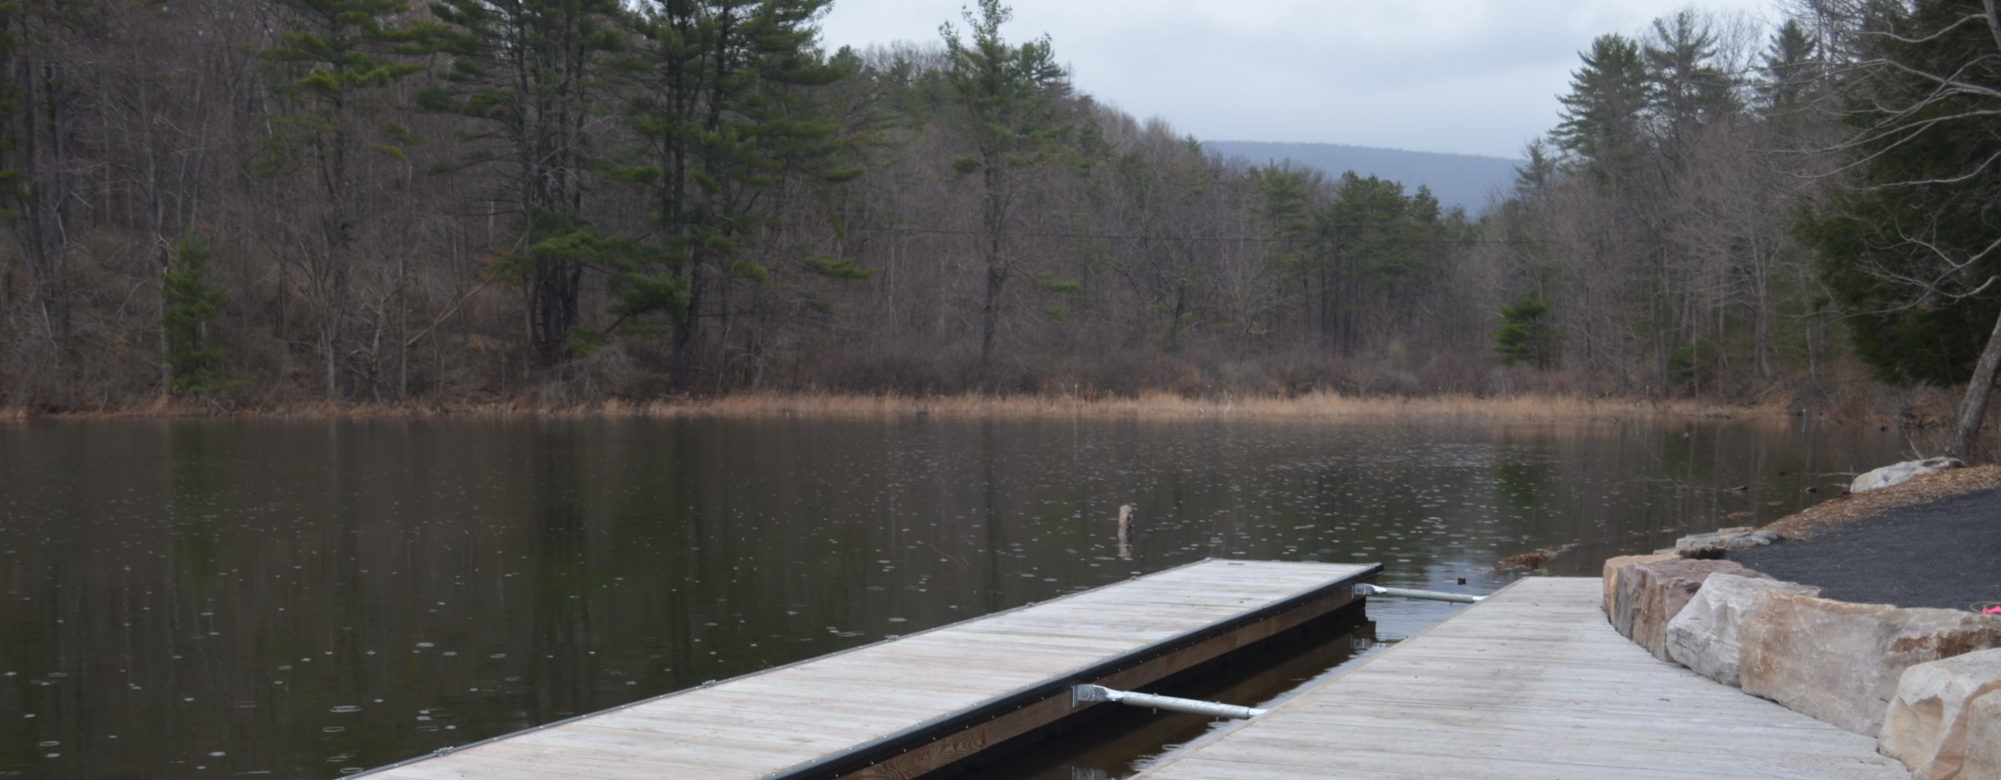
(1841, 662)
(1703, 636)
(1926, 724)
(1899, 473)
(1652, 593)
(1983, 738)
(1715, 543)
(1613, 567)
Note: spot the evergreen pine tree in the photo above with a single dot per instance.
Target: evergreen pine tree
(1792, 70)
(196, 365)
(1008, 96)
(1916, 231)
(527, 73)
(1688, 89)
(1525, 335)
(1603, 127)
(1911, 247)
(719, 105)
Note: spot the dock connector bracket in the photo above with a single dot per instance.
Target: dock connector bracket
(1085, 694)
(1365, 589)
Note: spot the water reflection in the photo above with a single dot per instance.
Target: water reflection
(192, 598)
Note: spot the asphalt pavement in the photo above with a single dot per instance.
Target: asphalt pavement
(1943, 554)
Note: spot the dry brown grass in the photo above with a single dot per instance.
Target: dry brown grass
(1859, 506)
(310, 410)
(1165, 405)
(1148, 405)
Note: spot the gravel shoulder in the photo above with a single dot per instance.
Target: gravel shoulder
(1933, 542)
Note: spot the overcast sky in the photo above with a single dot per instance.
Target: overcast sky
(1465, 76)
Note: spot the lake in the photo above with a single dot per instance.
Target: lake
(310, 598)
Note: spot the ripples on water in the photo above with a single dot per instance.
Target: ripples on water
(308, 599)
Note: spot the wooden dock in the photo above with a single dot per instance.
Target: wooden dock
(901, 707)
(1531, 683)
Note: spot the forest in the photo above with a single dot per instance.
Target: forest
(254, 203)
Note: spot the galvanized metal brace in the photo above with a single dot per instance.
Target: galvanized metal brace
(1085, 694)
(1365, 589)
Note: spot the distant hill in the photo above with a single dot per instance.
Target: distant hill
(1462, 180)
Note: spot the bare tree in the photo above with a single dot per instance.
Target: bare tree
(1911, 243)
(41, 104)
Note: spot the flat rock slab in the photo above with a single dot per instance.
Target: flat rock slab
(1841, 662)
(1703, 636)
(1927, 723)
(1531, 684)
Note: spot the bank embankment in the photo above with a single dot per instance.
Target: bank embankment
(1874, 507)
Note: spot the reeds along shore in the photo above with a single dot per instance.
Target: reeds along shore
(844, 406)
(1167, 405)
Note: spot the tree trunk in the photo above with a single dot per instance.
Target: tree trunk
(38, 198)
(340, 255)
(402, 326)
(1974, 408)
(990, 311)
(994, 217)
(552, 309)
(156, 220)
(340, 358)
(688, 332)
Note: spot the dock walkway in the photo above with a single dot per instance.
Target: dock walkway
(1531, 683)
(901, 707)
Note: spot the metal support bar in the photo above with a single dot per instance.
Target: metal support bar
(1365, 589)
(1084, 694)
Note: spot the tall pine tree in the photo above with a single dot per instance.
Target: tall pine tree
(528, 74)
(1009, 100)
(1603, 127)
(717, 101)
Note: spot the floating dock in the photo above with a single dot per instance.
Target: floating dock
(1530, 683)
(902, 707)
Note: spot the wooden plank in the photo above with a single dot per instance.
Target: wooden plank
(1531, 683)
(969, 741)
(936, 695)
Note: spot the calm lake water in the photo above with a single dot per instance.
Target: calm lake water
(299, 599)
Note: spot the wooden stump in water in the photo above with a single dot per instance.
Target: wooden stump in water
(1125, 530)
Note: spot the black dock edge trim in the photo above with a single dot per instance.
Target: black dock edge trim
(876, 751)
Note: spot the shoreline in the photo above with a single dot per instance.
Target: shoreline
(1919, 492)
(1330, 406)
